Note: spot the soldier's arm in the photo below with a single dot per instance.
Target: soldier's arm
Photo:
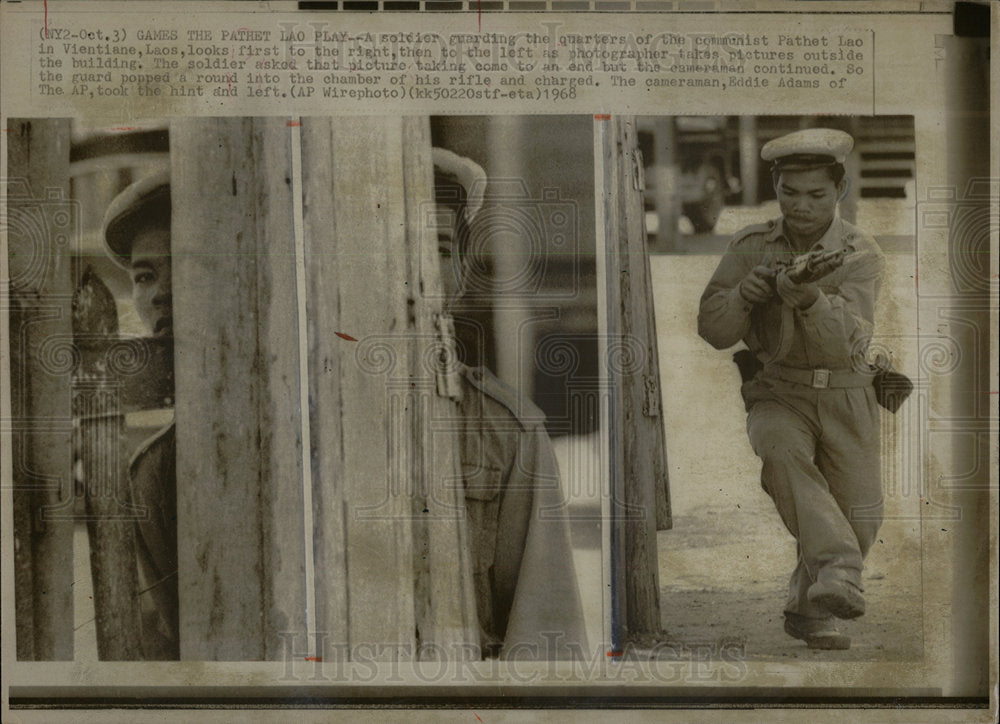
(841, 322)
(547, 598)
(723, 313)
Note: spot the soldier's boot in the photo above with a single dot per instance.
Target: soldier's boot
(841, 598)
(818, 633)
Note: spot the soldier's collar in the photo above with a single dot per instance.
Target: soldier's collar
(834, 238)
(777, 230)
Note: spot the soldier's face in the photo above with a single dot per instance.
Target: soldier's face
(808, 201)
(448, 253)
(150, 271)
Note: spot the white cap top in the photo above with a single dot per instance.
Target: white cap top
(810, 144)
(466, 172)
(129, 209)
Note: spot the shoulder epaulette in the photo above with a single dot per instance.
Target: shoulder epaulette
(524, 410)
(764, 227)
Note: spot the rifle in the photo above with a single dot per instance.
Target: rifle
(809, 267)
(804, 268)
(891, 387)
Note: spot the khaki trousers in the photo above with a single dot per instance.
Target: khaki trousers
(820, 450)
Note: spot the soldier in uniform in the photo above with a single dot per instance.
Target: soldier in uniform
(136, 234)
(527, 601)
(812, 415)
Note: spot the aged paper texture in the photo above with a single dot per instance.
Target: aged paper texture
(355, 355)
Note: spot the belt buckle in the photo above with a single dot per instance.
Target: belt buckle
(821, 379)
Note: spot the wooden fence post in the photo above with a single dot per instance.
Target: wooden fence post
(633, 361)
(239, 479)
(39, 223)
(391, 569)
(451, 622)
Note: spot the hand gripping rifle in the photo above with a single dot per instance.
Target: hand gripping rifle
(891, 387)
(809, 267)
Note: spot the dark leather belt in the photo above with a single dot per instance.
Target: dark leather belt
(820, 379)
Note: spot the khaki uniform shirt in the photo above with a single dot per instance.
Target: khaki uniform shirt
(832, 334)
(527, 600)
(152, 475)
(526, 585)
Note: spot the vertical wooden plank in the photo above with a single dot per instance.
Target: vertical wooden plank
(652, 420)
(370, 214)
(666, 240)
(39, 216)
(643, 450)
(24, 584)
(284, 537)
(391, 558)
(327, 354)
(615, 423)
(971, 314)
(240, 532)
(361, 296)
(419, 397)
(450, 624)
